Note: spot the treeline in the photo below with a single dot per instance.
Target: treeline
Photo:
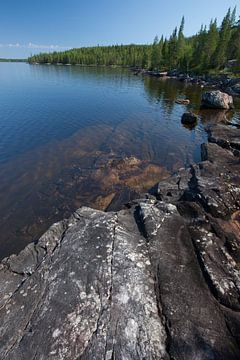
(12, 60)
(209, 50)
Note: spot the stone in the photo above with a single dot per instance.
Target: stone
(189, 118)
(183, 101)
(217, 100)
(225, 136)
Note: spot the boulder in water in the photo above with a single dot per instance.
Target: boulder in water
(217, 100)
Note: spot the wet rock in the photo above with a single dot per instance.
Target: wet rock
(233, 87)
(217, 100)
(124, 163)
(189, 118)
(226, 137)
(172, 189)
(183, 101)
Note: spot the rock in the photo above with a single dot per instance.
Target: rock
(189, 118)
(157, 280)
(234, 89)
(183, 101)
(226, 137)
(91, 296)
(217, 100)
(124, 163)
(163, 74)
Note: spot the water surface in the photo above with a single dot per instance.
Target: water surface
(64, 131)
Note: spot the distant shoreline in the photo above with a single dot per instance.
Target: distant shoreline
(13, 60)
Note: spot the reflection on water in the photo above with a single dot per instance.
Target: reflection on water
(65, 132)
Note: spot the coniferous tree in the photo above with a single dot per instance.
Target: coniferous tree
(209, 49)
(155, 54)
(173, 50)
(220, 54)
(198, 49)
(181, 43)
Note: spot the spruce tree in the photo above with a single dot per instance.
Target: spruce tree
(220, 56)
(181, 43)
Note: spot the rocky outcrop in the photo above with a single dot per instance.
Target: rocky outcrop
(158, 280)
(217, 100)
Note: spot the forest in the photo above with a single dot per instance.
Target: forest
(213, 49)
(12, 60)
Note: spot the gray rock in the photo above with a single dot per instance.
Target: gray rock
(217, 100)
(92, 296)
(233, 87)
(226, 137)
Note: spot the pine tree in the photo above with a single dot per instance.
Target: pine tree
(165, 55)
(233, 17)
(234, 43)
(181, 43)
(212, 39)
(220, 56)
(173, 50)
(155, 54)
(198, 50)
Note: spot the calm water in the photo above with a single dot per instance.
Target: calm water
(63, 131)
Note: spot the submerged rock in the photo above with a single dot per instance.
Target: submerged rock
(159, 280)
(217, 100)
(183, 101)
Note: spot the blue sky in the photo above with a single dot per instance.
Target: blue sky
(30, 26)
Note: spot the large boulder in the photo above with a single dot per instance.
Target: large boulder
(217, 100)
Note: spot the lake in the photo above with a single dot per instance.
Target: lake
(73, 136)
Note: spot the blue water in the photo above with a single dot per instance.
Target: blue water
(59, 127)
(41, 103)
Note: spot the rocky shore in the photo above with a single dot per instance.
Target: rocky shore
(224, 83)
(159, 279)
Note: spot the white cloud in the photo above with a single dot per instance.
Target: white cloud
(31, 45)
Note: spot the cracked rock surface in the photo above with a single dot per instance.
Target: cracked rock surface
(158, 280)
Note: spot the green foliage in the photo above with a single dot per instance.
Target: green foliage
(12, 60)
(207, 51)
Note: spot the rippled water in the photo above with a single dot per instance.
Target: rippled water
(64, 129)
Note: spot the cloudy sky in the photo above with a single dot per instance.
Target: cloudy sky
(29, 27)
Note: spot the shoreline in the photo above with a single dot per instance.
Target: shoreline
(176, 252)
(223, 82)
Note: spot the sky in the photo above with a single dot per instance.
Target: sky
(30, 26)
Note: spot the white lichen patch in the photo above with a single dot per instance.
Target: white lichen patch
(83, 295)
(56, 333)
(131, 330)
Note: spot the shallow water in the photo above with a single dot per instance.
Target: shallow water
(64, 129)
